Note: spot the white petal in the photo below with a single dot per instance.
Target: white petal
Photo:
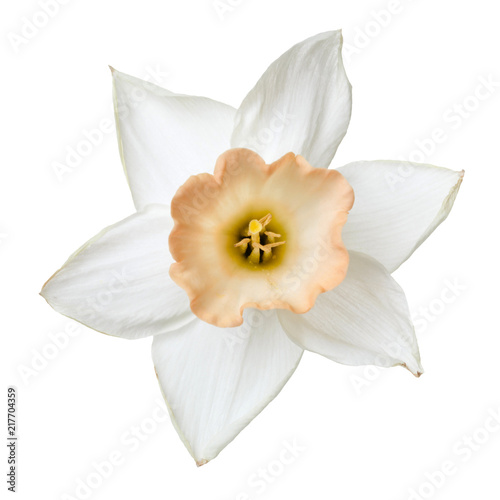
(397, 206)
(301, 104)
(365, 320)
(165, 137)
(118, 282)
(216, 380)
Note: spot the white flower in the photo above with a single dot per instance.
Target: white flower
(216, 380)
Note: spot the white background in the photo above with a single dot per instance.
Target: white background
(362, 432)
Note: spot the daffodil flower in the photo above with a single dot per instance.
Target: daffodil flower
(234, 273)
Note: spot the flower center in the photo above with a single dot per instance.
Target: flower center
(257, 243)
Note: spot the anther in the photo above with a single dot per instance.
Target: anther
(253, 237)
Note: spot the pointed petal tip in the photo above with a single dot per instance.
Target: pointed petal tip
(416, 372)
(332, 33)
(239, 385)
(44, 286)
(292, 83)
(335, 35)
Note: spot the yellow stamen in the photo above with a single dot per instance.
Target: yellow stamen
(267, 249)
(254, 227)
(254, 257)
(266, 220)
(270, 234)
(253, 235)
(243, 244)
